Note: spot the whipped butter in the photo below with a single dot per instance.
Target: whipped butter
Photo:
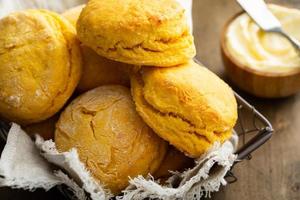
(265, 52)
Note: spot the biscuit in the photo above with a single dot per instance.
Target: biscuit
(97, 70)
(174, 161)
(139, 32)
(40, 65)
(111, 139)
(44, 128)
(188, 106)
(72, 14)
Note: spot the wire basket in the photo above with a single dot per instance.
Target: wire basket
(252, 128)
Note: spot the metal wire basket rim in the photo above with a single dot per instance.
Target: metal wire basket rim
(266, 122)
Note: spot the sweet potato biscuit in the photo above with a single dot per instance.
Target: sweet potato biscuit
(40, 65)
(188, 105)
(111, 138)
(97, 70)
(140, 32)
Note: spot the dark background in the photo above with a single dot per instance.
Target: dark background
(274, 171)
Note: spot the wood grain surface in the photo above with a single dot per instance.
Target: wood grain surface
(274, 171)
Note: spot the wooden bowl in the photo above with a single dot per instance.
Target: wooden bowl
(260, 84)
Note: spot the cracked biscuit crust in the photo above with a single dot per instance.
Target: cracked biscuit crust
(40, 65)
(187, 105)
(140, 32)
(111, 138)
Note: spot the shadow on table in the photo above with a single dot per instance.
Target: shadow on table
(16, 194)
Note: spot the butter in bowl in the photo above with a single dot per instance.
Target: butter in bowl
(260, 63)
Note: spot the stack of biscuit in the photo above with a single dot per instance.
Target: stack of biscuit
(116, 80)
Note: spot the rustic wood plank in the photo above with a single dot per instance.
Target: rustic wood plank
(274, 171)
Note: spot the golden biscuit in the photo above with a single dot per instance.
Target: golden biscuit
(173, 161)
(97, 70)
(45, 128)
(111, 138)
(188, 106)
(40, 65)
(140, 32)
(72, 14)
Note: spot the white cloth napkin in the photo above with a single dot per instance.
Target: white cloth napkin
(28, 165)
(207, 176)
(22, 166)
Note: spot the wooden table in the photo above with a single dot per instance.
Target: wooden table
(274, 171)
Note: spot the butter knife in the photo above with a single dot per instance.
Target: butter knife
(264, 18)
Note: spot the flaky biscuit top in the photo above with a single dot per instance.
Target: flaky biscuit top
(138, 32)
